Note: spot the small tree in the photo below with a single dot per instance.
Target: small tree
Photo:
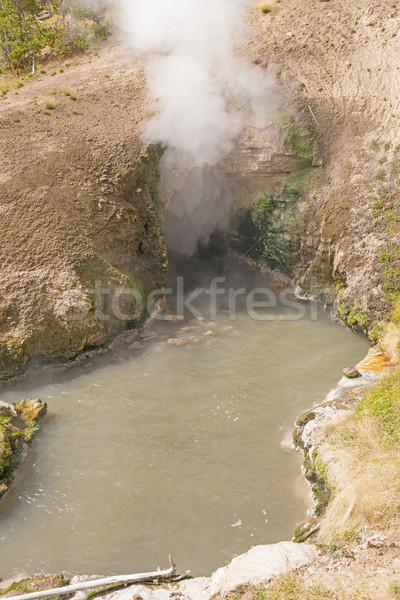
(20, 32)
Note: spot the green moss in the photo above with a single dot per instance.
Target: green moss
(266, 231)
(376, 332)
(322, 500)
(354, 317)
(99, 275)
(30, 431)
(358, 317)
(320, 467)
(395, 316)
(35, 584)
(299, 141)
(299, 532)
(18, 587)
(147, 178)
(305, 418)
(391, 284)
(315, 471)
(6, 452)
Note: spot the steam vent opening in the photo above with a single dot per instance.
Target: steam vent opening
(171, 443)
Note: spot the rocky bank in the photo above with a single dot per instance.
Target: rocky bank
(18, 427)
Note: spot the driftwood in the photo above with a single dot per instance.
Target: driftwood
(115, 580)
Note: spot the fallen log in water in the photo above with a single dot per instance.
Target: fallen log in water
(97, 583)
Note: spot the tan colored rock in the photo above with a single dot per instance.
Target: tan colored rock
(351, 372)
(31, 410)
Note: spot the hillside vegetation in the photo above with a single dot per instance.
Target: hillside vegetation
(34, 30)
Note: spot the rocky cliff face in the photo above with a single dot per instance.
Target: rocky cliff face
(81, 216)
(337, 68)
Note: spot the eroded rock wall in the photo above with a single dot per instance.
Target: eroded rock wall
(336, 64)
(81, 216)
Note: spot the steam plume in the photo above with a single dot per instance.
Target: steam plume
(203, 93)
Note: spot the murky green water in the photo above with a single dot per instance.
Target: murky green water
(164, 448)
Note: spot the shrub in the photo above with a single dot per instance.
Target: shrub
(101, 32)
(81, 43)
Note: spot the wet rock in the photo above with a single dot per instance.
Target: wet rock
(305, 530)
(178, 341)
(7, 409)
(305, 418)
(148, 335)
(351, 372)
(31, 410)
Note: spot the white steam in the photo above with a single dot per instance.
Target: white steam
(202, 92)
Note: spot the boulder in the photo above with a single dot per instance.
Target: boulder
(258, 565)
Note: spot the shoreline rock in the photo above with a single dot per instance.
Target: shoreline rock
(18, 427)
